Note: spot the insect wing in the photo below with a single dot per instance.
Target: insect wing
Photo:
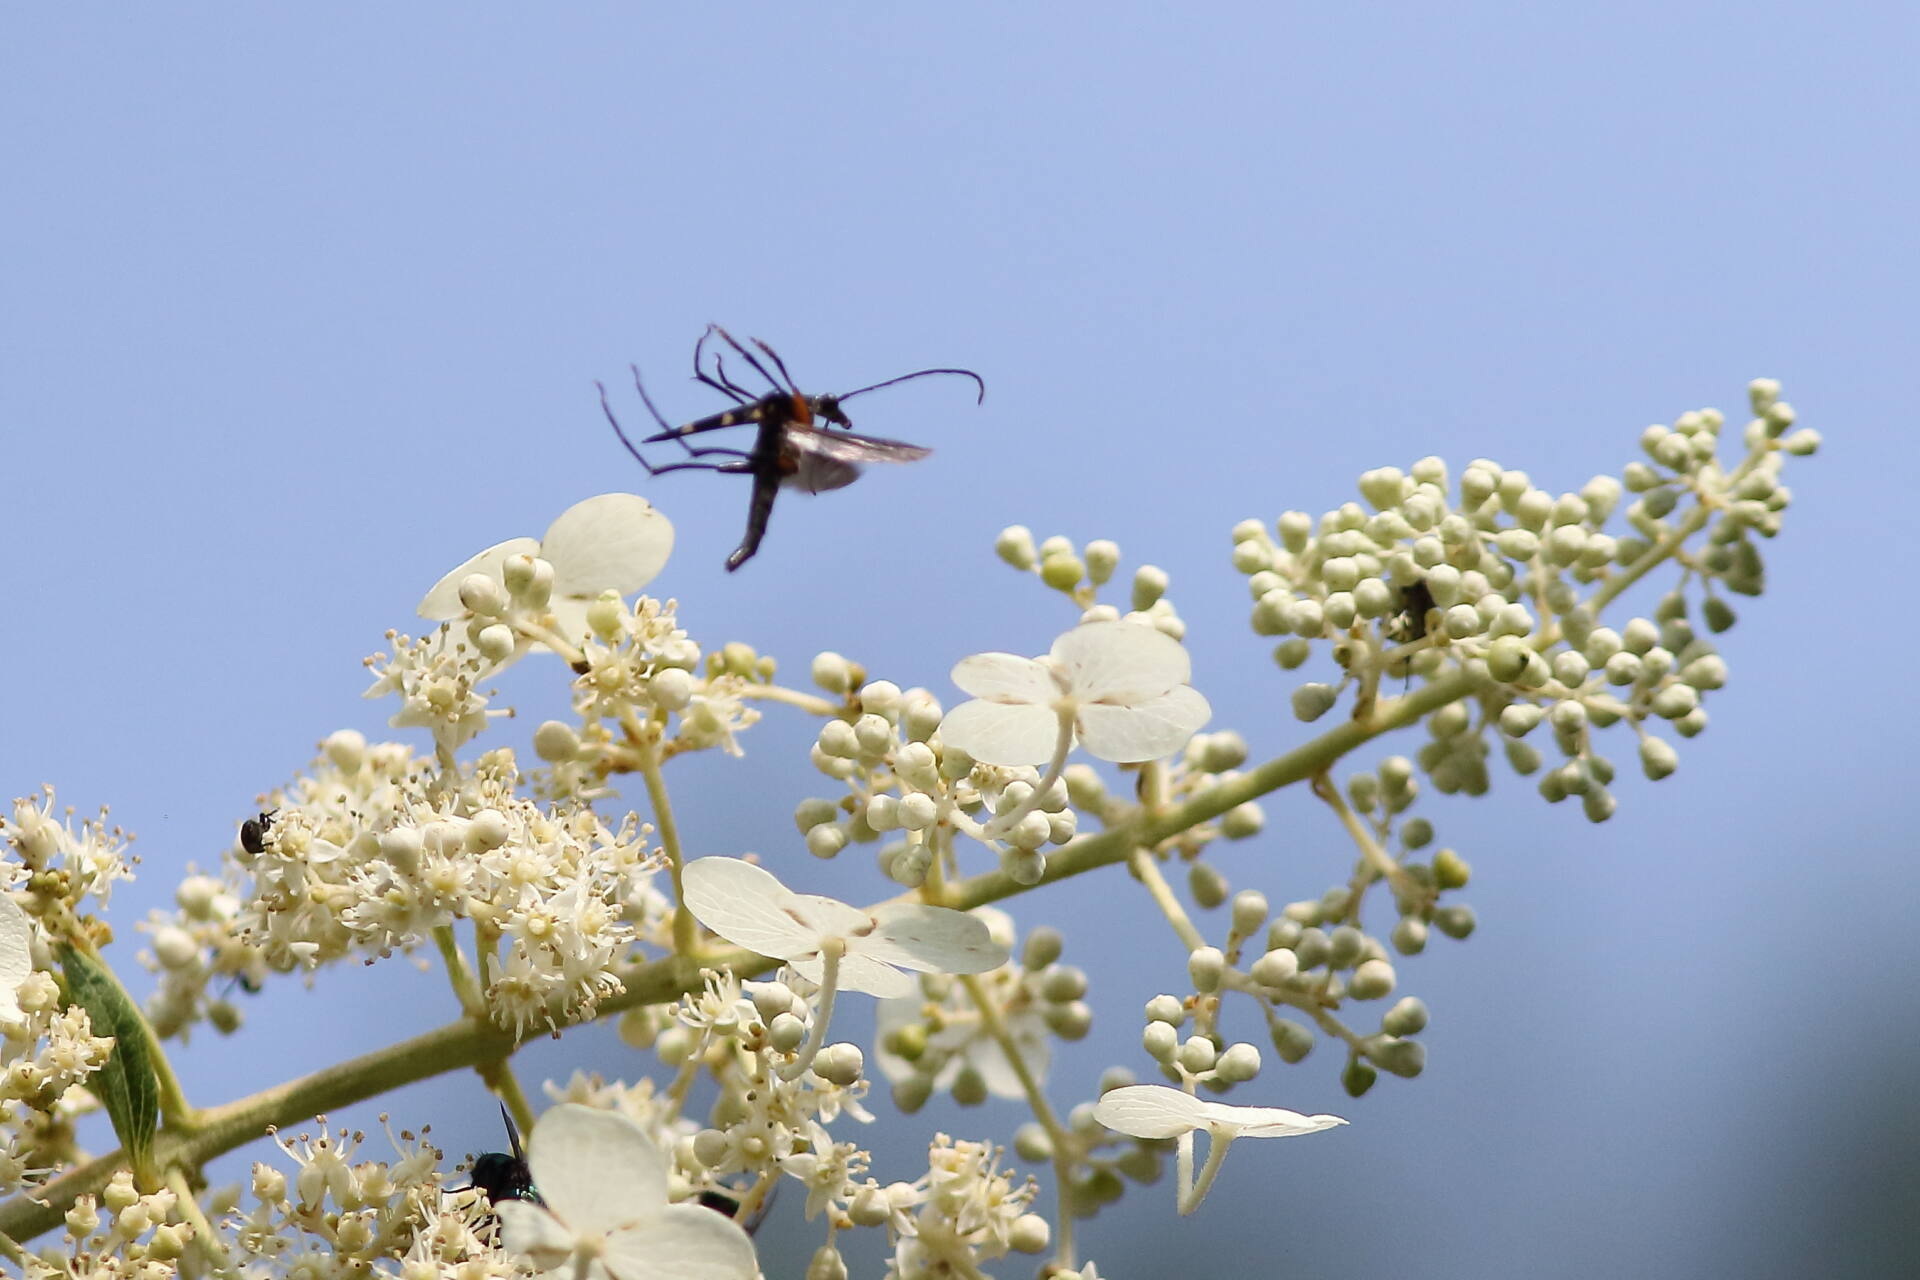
(845, 446)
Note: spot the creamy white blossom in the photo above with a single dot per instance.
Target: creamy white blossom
(1120, 687)
(1157, 1111)
(612, 542)
(16, 956)
(607, 1214)
(749, 907)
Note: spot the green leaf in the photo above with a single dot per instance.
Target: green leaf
(126, 1085)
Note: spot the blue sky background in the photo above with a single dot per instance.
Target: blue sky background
(305, 305)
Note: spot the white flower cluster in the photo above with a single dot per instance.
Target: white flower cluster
(139, 1237)
(1508, 581)
(369, 854)
(62, 862)
(1116, 687)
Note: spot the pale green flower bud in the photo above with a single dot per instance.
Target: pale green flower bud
(1357, 1077)
(1160, 1041)
(1015, 546)
(1197, 1054)
(346, 749)
(1069, 1021)
(1029, 1234)
(1250, 911)
(1062, 572)
(785, 1033)
(488, 830)
(1207, 884)
(917, 811)
(827, 1264)
(1344, 946)
(1295, 529)
(1657, 758)
(671, 688)
(837, 739)
(826, 840)
(1043, 947)
(1276, 968)
(1290, 1040)
(1206, 966)
(1507, 660)
(1339, 610)
(1313, 700)
(883, 813)
(832, 672)
(1064, 983)
(495, 641)
(1239, 1064)
(1406, 1058)
(1024, 866)
(840, 1063)
(813, 811)
(873, 734)
(1371, 979)
(1243, 821)
(871, 1207)
(1598, 804)
(607, 615)
(1030, 832)
(1416, 833)
(1407, 1017)
(1247, 529)
(1674, 701)
(1709, 672)
(1306, 912)
(1570, 667)
(528, 579)
(1409, 936)
(1032, 1143)
(1568, 716)
(1167, 1008)
(1290, 654)
(1456, 921)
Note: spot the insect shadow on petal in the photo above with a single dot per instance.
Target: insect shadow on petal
(793, 446)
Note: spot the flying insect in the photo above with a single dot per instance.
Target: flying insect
(793, 446)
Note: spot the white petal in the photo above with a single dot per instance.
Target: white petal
(990, 1060)
(530, 1230)
(1121, 661)
(1149, 1111)
(598, 1170)
(1152, 729)
(826, 917)
(1265, 1122)
(688, 1242)
(931, 940)
(864, 973)
(1000, 733)
(570, 617)
(16, 955)
(443, 602)
(616, 541)
(748, 906)
(1005, 677)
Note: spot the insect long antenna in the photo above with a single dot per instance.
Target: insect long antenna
(923, 373)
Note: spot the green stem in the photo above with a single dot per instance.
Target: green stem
(459, 974)
(647, 748)
(791, 697)
(203, 1234)
(1063, 1142)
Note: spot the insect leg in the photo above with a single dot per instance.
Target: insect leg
(719, 380)
(757, 366)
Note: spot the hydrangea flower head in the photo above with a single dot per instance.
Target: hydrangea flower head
(607, 1216)
(1122, 685)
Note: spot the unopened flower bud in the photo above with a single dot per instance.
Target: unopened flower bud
(1407, 1017)
(1168, 1009)
(1015, 546)
(840, 1063)
(1029, 1234)
(1197, 1054)
(1207, 884)
(1206, 966)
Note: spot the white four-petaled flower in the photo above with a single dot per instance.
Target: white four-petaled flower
(1119, 687)
(16, 955)
(607, 1215)
(1156, 1111)
(612, 542)
(749, 907)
